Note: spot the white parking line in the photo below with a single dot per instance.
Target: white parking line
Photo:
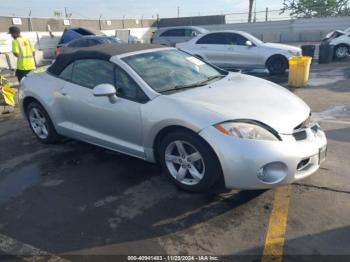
(341, 122)
(26, 252)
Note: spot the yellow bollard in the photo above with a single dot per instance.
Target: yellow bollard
(299, 69)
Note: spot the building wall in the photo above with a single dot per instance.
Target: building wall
(56, 25)
(195, 20)
(300, 30)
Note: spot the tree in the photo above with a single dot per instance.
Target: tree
(316, 8)
(251, 3)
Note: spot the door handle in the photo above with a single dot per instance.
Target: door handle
(203, 47)
(63, 92)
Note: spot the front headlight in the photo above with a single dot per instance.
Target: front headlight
(295, 53)
(245, 131)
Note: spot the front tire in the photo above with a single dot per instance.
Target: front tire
(277, 65)
(341, 52)
(189, 162)
(41, 124)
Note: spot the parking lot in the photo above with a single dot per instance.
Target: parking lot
(77, 199)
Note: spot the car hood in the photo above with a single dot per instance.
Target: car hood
(282, 47)
(239, 96)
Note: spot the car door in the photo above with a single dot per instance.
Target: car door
(212, 47)
(95, 119)
(239, 54)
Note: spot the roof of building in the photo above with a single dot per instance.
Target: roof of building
(103, 52)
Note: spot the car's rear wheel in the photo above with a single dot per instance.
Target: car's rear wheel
(277, 65)
(189, 161)
(341, 52)
(41, 124)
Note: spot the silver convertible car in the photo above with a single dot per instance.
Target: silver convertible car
(203, 124)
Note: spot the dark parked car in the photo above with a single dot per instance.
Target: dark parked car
(87, 41)
(70, 34)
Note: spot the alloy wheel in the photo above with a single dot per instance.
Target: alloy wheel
(38, 123)
(341, 52)
(184, 162)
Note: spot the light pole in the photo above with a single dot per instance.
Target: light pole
(251, 3)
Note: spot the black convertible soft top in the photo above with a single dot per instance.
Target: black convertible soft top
(103, 52)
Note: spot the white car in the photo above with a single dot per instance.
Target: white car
(341, 42)
(237, 49)
(170, 36)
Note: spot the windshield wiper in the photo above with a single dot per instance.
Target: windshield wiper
(212, 78)
(202, 83)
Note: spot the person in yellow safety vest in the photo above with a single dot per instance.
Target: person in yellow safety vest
(24, 51)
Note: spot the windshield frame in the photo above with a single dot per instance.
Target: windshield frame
(220, 72)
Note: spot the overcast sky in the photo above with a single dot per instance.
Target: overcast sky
(130, 8)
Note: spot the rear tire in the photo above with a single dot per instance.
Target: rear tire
(277, 65)
(189, 162)
(41, 124)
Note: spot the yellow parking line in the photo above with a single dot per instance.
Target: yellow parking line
(274, 242)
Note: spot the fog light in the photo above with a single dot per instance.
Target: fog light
(272, 173)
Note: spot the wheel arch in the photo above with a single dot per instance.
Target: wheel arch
(26, 101)
(275, 56)
(173, 128)
(162, 133)
(339, 44)
(29, 99)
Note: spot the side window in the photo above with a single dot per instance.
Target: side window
(232, 39)
(78, 43)
(92, 72)
(92, 42)
(174, 32)
(127, 87)
(241, 40)
(213, 39)
(66, 74)
(190, 32)
(72, 44)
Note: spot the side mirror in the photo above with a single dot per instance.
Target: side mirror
(248, 43)
(106, 90)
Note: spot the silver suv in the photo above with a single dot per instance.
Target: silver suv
(170, 36)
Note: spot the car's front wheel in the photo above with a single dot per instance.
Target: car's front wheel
(341, 52)
(41, 124)
(189, 161)
(277, 65)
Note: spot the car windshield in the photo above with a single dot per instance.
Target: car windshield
(171, 70)
(347, 30)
